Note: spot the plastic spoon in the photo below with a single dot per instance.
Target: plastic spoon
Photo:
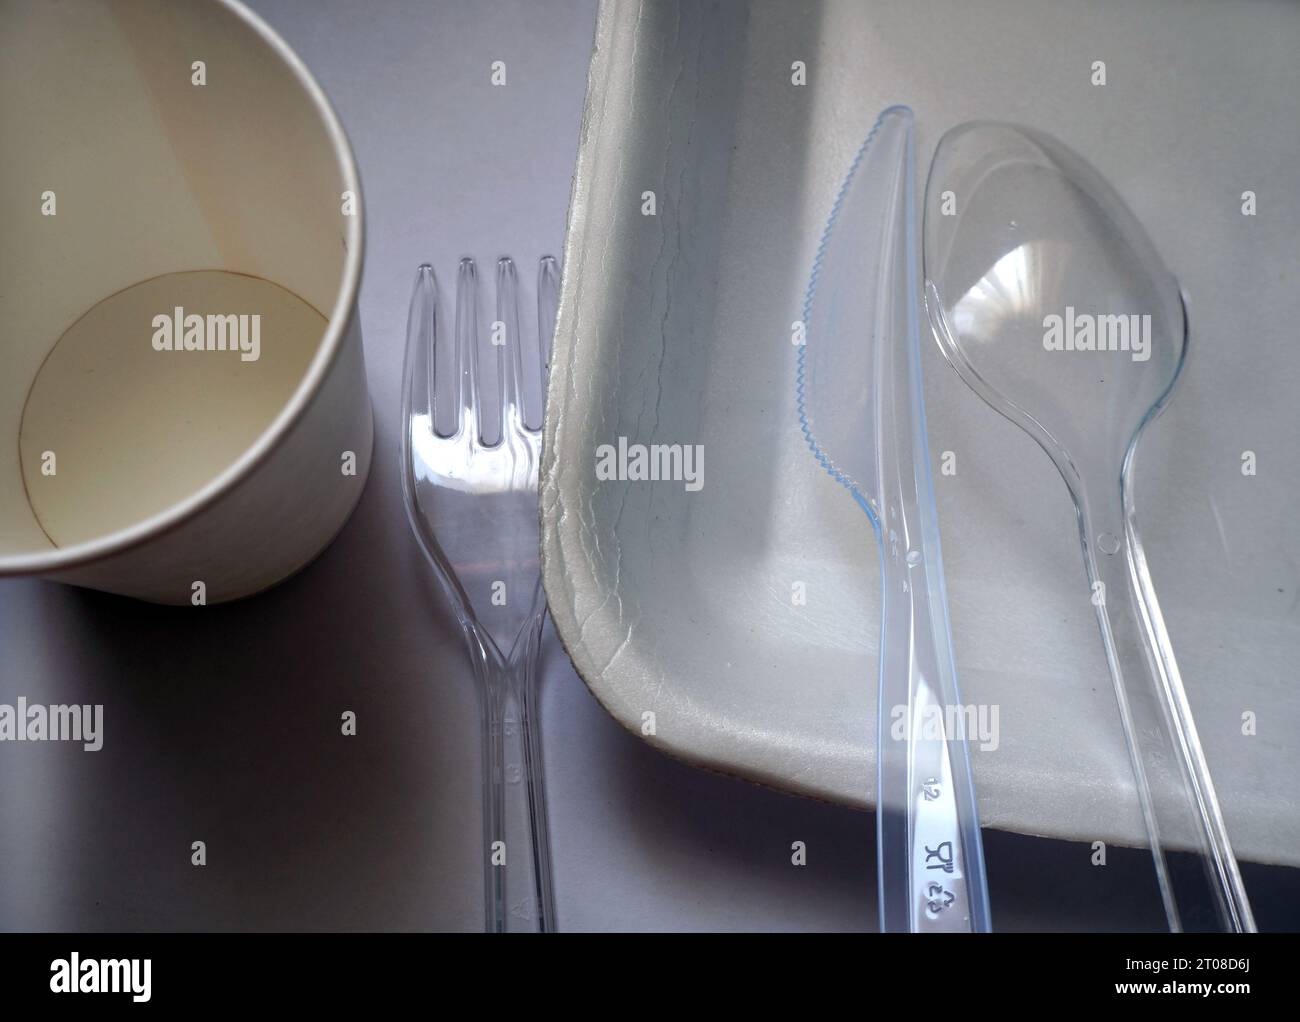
(862, 411)
(1053, 305)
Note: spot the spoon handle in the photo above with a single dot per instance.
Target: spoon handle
(1200, 883)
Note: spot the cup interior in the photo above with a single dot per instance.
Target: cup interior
(176, 242)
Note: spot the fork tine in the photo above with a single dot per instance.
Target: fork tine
(467, 383)
(422, 350)
(548, 301)
(512, 408)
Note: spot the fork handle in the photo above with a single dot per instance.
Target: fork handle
(517, 865)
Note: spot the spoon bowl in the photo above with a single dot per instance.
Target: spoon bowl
(1049, 298)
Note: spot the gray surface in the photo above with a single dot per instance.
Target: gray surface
(223, 724)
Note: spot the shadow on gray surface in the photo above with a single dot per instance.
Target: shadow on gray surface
(224, 724)
(1036, 884)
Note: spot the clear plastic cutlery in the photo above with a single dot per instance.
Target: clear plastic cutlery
(471, 444)
(1053, 305)
(862, 410)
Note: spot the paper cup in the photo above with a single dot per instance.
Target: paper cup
(183, 407)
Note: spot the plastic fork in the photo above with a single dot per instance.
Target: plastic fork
(471, 445)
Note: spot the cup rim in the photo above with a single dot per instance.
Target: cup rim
(340, 318)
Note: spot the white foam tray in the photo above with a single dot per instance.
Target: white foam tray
(675, 329)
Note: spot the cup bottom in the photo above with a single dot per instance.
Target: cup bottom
(153, 392)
